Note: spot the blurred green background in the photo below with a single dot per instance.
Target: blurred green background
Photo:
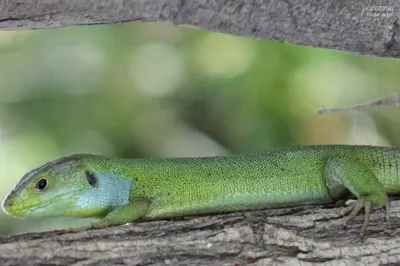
(158, 90)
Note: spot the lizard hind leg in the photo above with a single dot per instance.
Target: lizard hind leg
(361, 182)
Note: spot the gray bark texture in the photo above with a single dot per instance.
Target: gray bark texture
(308, 235)
(361, 26)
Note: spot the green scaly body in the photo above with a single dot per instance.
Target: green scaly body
(125, 190)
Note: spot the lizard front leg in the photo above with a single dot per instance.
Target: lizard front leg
(125, 214)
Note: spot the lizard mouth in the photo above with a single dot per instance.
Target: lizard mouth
(29, 207)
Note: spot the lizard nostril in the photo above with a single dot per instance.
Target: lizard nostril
(6, 206)
(8, 203)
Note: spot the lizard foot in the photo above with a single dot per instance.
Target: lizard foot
(354, 208)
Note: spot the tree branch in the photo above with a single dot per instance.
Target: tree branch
(383, 102)
(361, 26)
(287, 236)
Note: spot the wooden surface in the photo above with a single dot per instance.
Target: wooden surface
(309, 235)
(361, 26)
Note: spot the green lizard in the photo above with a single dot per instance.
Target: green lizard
(120, 191)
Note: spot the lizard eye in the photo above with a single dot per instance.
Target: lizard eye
(41, 184)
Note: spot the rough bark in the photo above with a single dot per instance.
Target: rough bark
(292, 236)
(361, 26)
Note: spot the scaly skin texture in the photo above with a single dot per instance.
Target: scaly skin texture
(125, 190)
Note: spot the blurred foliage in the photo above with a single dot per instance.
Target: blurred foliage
(157, 90)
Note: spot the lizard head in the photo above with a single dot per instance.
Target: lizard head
(53, 189)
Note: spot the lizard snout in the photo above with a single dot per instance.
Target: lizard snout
(7, 203)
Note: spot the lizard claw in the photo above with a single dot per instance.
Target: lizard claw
(387, 214)
(352, 210)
